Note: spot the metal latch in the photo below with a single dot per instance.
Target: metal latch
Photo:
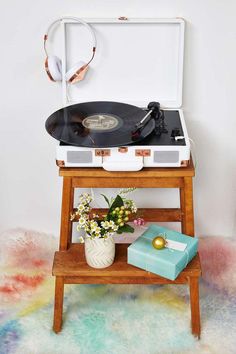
(102, 152)
(143, 152)
(123, 149)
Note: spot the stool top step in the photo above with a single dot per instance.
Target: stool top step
(145, 172)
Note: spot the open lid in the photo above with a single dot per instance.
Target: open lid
(137, 61)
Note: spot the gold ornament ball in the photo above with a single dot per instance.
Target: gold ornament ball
(159, 242)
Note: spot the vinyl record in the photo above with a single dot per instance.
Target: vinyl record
(98, 124)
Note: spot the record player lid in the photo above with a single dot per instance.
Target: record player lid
(137, 61)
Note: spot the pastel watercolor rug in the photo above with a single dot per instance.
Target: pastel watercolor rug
(115, 319)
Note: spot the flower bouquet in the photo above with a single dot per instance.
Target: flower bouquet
(99, 229)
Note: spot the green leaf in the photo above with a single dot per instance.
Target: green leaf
(118, 202)
(125, 228)
(106, 199)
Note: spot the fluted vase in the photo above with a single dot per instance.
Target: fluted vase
(99, 252)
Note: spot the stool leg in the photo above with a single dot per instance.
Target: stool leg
(182, 207)
(66, 209)
(195, 308)
(58, 304)
(186, 203)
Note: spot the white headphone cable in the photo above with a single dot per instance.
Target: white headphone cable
(96, 204)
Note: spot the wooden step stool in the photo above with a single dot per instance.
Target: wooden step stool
(69, 265)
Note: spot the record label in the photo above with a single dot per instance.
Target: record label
(101, 122)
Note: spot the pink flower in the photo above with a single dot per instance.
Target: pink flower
(139, 222)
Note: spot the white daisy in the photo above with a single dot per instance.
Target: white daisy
(82, 221)
(105, 224)
(81, 208)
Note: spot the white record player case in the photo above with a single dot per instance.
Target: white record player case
(137, 61)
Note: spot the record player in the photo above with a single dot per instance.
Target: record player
(130, 116)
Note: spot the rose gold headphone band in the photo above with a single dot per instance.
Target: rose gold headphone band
(78, 21)
(47, 70)
(94, 50)
(44, 44)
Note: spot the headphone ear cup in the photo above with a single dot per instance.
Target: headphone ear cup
(53, 68)
(77, 72)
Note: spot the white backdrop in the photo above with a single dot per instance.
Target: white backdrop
(30, 189)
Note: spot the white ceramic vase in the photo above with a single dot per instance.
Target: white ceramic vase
(99, 252)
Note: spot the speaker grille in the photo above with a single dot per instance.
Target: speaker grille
(79, 157)
(166, 156)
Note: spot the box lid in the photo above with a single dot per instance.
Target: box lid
(166, 256)
(137, 61)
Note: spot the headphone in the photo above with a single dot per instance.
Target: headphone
(53, 65)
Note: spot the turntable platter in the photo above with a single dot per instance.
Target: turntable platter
(98, 124)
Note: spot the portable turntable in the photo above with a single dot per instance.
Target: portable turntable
(117, 123)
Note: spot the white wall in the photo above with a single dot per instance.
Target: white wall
(29, 186)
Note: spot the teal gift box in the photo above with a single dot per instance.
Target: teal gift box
(167, 262)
